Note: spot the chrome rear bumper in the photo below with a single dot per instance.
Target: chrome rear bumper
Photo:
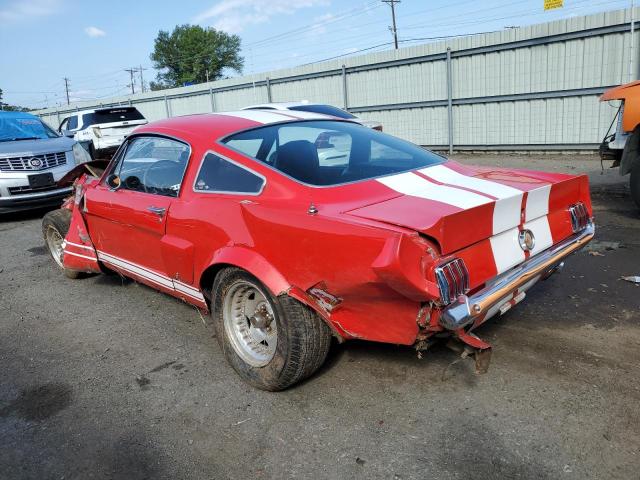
(468, 309)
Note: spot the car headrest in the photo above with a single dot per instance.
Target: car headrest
(299, 159)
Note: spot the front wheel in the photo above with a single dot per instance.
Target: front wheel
(271, 342)
(55, 226)
(635, 182)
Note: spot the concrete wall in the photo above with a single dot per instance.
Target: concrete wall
(532, 88)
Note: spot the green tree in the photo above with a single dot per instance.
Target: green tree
(190, 51)
(11, 108)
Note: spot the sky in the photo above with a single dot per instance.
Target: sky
(92, 43)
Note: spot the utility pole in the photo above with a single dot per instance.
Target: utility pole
(141, 79)
(206, 72)
(66, 88)
(131, 72)
(394, 30)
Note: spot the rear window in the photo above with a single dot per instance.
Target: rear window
(324, 109)
(111, 115)
(324, 153)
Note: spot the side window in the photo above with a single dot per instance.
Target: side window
(153, 165)
(73, 123)
(219, 175)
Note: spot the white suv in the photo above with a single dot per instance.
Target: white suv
(102, 131)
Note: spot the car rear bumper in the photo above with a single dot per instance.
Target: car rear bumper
(17, 203)
(504, 288)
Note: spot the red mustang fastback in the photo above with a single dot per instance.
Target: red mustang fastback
(292, 227)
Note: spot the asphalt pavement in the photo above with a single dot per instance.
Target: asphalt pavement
(104, 378)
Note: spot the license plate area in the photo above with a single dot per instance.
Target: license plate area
(41, 180)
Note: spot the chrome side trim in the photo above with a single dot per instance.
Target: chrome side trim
(467, 309)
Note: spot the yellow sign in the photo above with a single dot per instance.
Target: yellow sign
(551, 4)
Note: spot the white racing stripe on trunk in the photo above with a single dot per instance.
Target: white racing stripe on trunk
(541, 232)
(412, 184)
(506, 250)
(444, 174)
(506, 213)
(538, 202)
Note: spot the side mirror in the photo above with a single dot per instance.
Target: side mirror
(114, 182)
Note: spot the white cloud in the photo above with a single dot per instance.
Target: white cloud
(233, 16)
(94, 32)
(21, 9)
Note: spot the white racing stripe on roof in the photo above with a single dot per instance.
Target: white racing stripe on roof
(411, 184)
(259, 116)
(274, 116)
(444, 174)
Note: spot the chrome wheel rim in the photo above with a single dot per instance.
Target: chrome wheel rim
(54, 242)
(250, 323)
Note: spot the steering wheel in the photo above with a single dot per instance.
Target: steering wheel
(161, 182)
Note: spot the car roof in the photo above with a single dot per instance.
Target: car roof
(9, 115)
(281, 105)
(105, 109)
(213, 126)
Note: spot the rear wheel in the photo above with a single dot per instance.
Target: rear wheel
(55, 226)
(635, 182)
(271, 342)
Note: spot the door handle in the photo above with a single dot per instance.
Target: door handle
(160, 211)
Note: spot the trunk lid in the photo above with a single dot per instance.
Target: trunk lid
(458, 206)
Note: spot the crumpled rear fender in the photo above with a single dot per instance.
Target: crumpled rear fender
(259, 267)
(250, 261)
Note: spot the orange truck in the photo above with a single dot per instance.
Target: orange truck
(623, 145)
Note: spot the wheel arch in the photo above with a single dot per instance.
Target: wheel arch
(265, 272)
(248, 260)
(631, 152)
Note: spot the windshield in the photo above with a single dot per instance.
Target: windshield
(111, 115)
(24, 128)
(324, 109)
(325, 152)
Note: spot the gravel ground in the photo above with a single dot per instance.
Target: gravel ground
(104, 378)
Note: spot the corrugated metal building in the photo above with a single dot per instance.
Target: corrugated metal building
(531, 88)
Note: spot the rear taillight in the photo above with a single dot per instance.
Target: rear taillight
(579, 216)
(453, 280)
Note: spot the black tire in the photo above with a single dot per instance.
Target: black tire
(58, 221)
(634, 182)
(303, 339)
